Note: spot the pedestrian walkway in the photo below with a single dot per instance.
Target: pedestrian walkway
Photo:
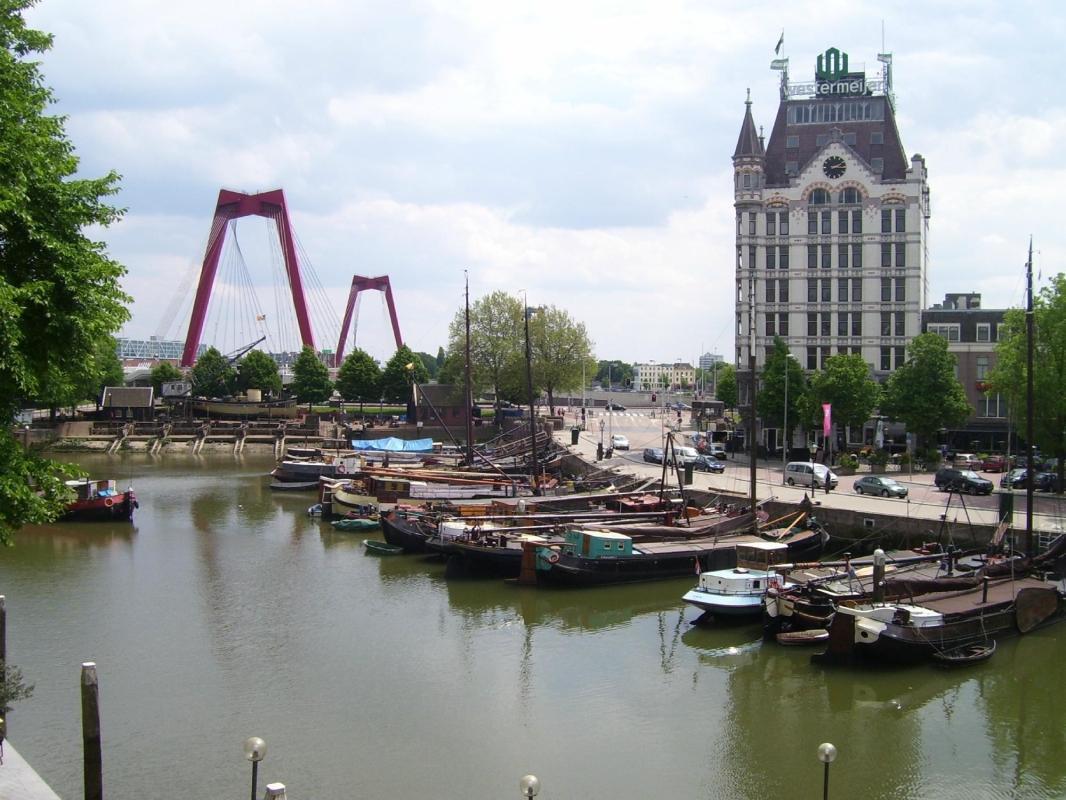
(18, 781)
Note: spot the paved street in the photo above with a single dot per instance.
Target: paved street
(647, 427)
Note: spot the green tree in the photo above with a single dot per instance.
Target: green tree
(359, 378)
(12, 688)
(163, 372)
(452, 370)
(401, 371)
(561, 351)
(441, 356)
(1009, 375)
(430, 363)
(257, 370)
(59, 291)
(846, 384)
(727, 385)
(212, 375)
(616, 372)
(496, 337)
(771, 399)
(310, 378)
(924, 393)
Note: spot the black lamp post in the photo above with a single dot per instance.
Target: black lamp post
(827, 753)
(530, 786)
(255, 750)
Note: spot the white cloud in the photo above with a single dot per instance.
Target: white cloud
(577, 150)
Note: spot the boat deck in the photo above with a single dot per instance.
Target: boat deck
(999, 592)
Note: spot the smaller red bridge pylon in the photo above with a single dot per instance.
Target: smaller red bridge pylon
(361, 283)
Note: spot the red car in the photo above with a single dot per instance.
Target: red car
(994, 464)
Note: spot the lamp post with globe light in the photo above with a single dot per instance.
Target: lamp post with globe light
(529, 785)
(827, 753)
(255, 751)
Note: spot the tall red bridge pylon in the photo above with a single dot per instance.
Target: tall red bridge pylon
(361, 283)
(233, 205)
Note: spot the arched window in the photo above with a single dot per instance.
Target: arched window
(850, 196)
(819, 197)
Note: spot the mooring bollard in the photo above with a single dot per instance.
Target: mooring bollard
(274, 791)
(90, 732)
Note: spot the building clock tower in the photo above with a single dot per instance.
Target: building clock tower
(832, 223)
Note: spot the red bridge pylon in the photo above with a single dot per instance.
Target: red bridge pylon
(361, 283)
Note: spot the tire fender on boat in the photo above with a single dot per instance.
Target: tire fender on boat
(342, 470)
(108, 502)
(553, 558)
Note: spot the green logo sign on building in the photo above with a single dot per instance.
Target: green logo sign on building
(832, 66)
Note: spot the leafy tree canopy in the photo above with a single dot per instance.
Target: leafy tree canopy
(496, 337)
(310, 378)
(727, 385)
(772, 398)
(430, 363)
(561, 352)
(163, 372)
(1009, 375)
(619, 373)
(924, 393)
(59, 291)
(846, 384)
(403, 369)
(257, 370)
(212, 375)
(359, 378)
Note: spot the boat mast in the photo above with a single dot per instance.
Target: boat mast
(753, 447)
(469, 394)
(529, 388)
(1031, 449)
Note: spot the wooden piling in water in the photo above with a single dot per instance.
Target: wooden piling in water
(90, 733)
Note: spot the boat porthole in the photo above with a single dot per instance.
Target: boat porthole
(865, 635)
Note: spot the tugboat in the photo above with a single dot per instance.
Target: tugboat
(99, 500)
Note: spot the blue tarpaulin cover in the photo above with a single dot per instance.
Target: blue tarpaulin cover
(394, 445)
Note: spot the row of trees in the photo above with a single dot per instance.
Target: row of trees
(924, 393)
(560, 349)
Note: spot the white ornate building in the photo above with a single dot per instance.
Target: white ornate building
(832, 223)
(651, 376)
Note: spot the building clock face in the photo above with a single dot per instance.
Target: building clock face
(834, 167)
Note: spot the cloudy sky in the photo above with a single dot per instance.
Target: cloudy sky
(577, 150)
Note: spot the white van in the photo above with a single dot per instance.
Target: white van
(803, 473)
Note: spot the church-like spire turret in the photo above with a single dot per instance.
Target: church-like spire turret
(749, 144)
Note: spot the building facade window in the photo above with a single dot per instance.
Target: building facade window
(827, 293)
(992, 406)
(856, 256)
(842, 222)
(812, 324)
(842, 324)
(792, 141)
(886, 359)
(771, 223)
(819, 197)
(747, 180)
(812, 256)
(856, 324)
(901, 356)
(771, 328)
(886, 220)
(901, 220)
(984, 331)
(886, 254)
(877, 137)
(886, 290)
(901, 254)
(981, 367)
(812, 358)
(751, 224)
(826, 323)
(782, 257)
(827, 222)
(812, 290)
(782, 296)
(771, 292)
(886, 323)
(856, 290)
(842, 290)
(771, 257)
(827, 258)
(877, 165)
(842, 256)
(901, 290)
(782, 223)
(782, 323)
(949, 330)
(898, 316)
(812, 223)
(856, 221)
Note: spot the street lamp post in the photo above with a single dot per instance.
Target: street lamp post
(814, 450)
(255, 750)
(827, 753)
(529, 785)
(785, 437)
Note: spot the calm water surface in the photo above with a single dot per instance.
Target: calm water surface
(225, 612)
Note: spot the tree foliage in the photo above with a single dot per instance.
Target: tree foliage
(12, 687)
(430, 363)
(727, 390)
(615, 372)
(310, 378)
(771, 400)
(257, 370)
(924, 393)
(59, 291)
(1009, 375)
(401, 371)
(163, 372)
(212, 375)
(846, 384)
(561, 352)
(359, 378)
(496, 338)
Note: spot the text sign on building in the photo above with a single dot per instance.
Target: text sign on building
(831, 78)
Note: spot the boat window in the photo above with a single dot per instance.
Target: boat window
(755, 584)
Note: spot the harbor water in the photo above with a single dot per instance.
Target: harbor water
(224, 612)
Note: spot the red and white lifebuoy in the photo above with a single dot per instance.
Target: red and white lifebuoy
(553, 558)
(108, 502)
(342, 470)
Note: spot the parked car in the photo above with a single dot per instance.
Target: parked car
(615, 407)
(1046, 482)
(994, 463)
(686, 455)
(880, 486)
(619, 442)
(953, 479)
(715, 450)
(709, 464)
(966, 461)
(681, 406)
(653, 455)
(804, 473)
(1015, 479)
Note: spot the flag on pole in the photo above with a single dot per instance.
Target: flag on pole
(827, 418)
(780, 43)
